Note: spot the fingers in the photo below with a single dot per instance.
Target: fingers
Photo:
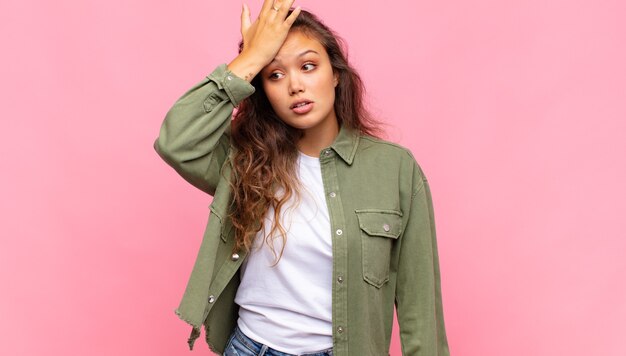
(267, 6)
(284, 7)
(263, 37)
(292, 18)
(245, 19)
(272, 12)
(276, 9)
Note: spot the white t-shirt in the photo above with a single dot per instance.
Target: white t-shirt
(288, 306)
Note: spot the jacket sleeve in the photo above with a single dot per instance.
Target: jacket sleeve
(195, 136)
(418, 290)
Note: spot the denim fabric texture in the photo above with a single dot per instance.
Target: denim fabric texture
(241, 345)
(384, 245)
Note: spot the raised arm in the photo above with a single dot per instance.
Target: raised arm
(194, 137)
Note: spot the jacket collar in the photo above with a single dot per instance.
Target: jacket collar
(346, 143)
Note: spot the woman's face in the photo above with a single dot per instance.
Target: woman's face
(300, 84)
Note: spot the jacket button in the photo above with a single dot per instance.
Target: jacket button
(386, 227)
(339, 232)
(211, 299)
(234, 257)
(340, 279)
(332, 194)
(340, 329)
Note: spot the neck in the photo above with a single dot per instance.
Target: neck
(317, 138)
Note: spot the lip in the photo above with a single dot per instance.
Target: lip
(300, 101)
(302, 109)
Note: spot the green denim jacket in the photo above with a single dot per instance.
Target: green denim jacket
(382, 227)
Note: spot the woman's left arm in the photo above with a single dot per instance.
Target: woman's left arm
(418, 290)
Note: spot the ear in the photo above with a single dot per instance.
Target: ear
(335, 79)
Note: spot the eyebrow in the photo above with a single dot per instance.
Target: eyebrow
(298, 56)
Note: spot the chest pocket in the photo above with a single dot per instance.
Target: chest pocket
(379, 229)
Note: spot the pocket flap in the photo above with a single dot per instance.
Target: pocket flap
(226, 225)
(380, 222)
(215, 211)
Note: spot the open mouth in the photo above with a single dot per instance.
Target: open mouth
(300, 104)
(302, 107)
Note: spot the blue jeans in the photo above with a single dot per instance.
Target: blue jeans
(241, 345)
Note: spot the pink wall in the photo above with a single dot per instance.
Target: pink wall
(515, 109)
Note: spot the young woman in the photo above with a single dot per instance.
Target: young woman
(317, 228)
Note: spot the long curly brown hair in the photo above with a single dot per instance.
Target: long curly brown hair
(266, 148)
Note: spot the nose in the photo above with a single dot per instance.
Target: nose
(295, 85)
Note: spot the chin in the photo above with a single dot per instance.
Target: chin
(299, 126)
(303, 124)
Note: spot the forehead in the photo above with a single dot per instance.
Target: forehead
(296, 43)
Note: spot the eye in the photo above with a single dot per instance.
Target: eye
(308, 66)
(275, 75)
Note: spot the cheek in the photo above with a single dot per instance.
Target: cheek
(331, 84)
(327, 87)
(326, 83)
(272, 93)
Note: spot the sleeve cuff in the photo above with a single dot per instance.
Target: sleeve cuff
(236, 88)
